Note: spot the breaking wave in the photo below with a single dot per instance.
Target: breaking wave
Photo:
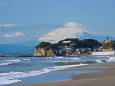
(111, 59)
(12, 60)
(5, 63)
(99, 61)
(9, 62)
(82, 62)
(13, 77)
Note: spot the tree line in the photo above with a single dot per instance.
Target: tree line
(75, 42)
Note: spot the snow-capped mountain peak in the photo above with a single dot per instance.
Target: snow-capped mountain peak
(69, 30)
(72, 24)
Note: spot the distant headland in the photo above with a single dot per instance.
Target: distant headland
(76, 47)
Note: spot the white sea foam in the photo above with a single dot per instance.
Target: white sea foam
(111, 59)
(6, 63)
(52, 61)
(8, 81)
(13, 77)
(49, 57)
(98, 61)
(55, 57)
(12, 60)
(15, 60)
(25, 60)
(59, 57)
(76, 58)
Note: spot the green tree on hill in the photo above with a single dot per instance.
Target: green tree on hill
(90, 43)
(44, 44)
(86, 43)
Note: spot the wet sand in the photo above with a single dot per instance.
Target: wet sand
(106, 78)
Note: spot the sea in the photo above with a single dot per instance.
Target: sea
(26, 70)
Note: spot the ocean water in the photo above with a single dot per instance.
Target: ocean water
(24, 70)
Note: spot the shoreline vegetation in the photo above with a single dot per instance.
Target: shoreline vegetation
(105, 78)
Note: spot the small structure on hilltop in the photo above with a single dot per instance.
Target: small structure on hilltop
(105, 41)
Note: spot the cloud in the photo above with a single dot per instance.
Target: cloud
(41, 26)
(16, 34)
(2, 3)
(10, 25)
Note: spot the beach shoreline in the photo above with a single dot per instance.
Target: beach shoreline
(105, 78)
(49, 56)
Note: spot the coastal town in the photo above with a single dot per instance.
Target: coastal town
(74, 47)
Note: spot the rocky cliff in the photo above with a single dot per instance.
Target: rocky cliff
(44, 49)
(43, 52)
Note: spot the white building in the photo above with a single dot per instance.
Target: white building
(108, 53)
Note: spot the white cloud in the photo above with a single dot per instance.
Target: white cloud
(10, 25)
(2, 3)
(16, 34)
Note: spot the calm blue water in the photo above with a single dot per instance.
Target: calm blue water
(24, 70)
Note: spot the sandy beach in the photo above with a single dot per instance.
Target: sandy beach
(105, 78)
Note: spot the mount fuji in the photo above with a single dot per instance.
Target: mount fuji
(71, 30)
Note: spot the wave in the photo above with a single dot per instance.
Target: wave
(2, 64)
(13, 77)
(60, 57)
(56, 57)
(13, 61)
(25, 60)
(52, 61)
(8, 81)
(99, 61)
(82, 62)
(50, 57)
(111, 59)
(75, 58)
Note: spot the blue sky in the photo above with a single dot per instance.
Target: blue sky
(22, 20)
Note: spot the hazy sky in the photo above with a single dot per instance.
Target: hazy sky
(22, 20)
